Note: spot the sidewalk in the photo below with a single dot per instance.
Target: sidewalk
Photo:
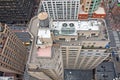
(116, 65)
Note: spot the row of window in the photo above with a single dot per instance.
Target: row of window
(12, 64)
(15, 48)
(14, 56)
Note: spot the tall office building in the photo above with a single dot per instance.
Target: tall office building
(59, 45)
(61, 9)
(45, 61)
(16, 11)
(91, 9)
(13, 54)
(82, 43)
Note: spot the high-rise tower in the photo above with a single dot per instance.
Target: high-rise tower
(70, 44)
(45, 57)
(61, 9)
(82, 43)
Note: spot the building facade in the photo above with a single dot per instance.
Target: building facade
(16, 11)
(13, 54)
(91, 9)
(91, 5)
(61, 9)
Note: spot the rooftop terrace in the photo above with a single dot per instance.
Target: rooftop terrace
(44, 52)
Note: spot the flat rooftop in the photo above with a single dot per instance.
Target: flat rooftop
(41, 56)
(78, 25)
(44, 52)
(100, 10)
(44, 33)
(71, 27)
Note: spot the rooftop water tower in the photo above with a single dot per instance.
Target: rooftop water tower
(44, 20)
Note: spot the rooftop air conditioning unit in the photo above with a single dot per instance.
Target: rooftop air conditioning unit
(71, 24)
(64, 24)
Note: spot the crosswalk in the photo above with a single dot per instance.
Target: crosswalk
(117, 38)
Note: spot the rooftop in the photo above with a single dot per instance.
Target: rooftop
(44, 52)
(71, 27)
(78, 25)
(44, 58)
(44, 33)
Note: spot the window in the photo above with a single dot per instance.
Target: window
(62, 39)
(93, 34)
(82, 53)
(83, 43)
(89, 43)
(90, 50)
(97, 53)
(72, 38)
(82, 34)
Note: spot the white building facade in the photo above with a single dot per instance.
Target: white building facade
(61, 9)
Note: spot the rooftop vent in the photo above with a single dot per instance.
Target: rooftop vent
(64, 24)
(71, 25)
(56, 32)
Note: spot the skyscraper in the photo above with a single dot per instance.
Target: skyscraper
(82, 43)
(61, 9)
(69, 44)
(45, 57)
(16, 11)
(13, 54)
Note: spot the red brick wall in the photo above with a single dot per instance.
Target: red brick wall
(98, 15)
(82, 16)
